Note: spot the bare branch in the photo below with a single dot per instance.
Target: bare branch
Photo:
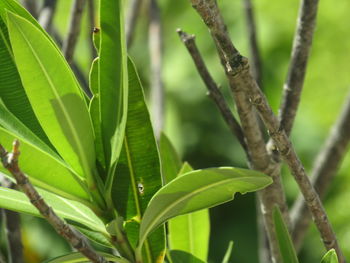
(256, 63)
(155, 47)
(131, 19)
(297, 68)
(257, 150)
(74, 29)
(237, 70)
(10, 162)
(46, 14)
(325, 168)
(213, 90)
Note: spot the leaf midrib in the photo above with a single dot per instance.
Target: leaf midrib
(178, 201)
(66, 114)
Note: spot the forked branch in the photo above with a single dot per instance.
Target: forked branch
(237, 69)
(10, 162)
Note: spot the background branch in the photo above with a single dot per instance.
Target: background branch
(131, 19)
(32, 7)
(213, 90)
(69, 44)
(325, 167)
(155, 48)
(10, 162)
(256, 64)
(297, 67)
(46, 14)
(13, 228)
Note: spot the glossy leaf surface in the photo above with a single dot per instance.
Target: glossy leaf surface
(76, 257)
(178, 256)
(330, 257)
(113, 80)
(138, 174)
(198, 190)
(54, 94)
(171, 163)
(285, 243)
(70, 210)
(190, 232)
(43, 169)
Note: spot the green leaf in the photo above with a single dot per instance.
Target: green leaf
(228, 253)
(76, 257)
(137, 176)
(73, 211)
(198, 190)
(178, 256)
(285, 243)
(54, 95)
(94, 110)
(171, 163)
(44, 169)
(113, 83)
(12, 93)
(190, 232)
(330, 257)
(95, 236)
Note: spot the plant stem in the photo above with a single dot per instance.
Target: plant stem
(260, 159)
(74, 30)
(155, 48)
(10, 162)
(133, 13)
(324, 169)
(253, 43)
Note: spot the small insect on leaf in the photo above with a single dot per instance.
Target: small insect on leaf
(141, 188)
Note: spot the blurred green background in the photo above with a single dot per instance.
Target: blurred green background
(196, 128)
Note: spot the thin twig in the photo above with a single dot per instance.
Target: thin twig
(92, 24)
(297, 68)
(46, 14)
(238, 72)
(10, 162)
(131, 19)
(213, 90)
(155, 47)
(69, 44)
(260, 159)
(325, 168)
(256, 63)
(32, 7)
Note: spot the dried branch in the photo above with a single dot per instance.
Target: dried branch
(256, 63)
(46, 14)
(131, 19)
(237, 69)
(213, 90)
(155, 47)
(91, 17)
(69, 44)
(260, 159)
(31, 6)
(324, 170)
(10, 162)
(297, 68)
